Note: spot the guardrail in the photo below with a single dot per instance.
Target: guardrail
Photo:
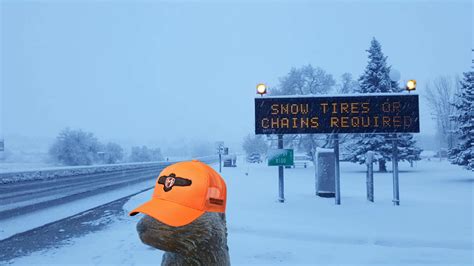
(58, 172)
(22, 192)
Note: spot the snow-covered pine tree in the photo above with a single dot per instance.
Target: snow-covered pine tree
(407, 149)
(376, 79)
(463, 153)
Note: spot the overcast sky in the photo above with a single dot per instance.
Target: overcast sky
(166, 71)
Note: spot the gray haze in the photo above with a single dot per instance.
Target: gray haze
(162, 72)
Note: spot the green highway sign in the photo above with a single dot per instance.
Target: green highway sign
(280, 157)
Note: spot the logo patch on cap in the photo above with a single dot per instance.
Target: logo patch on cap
(172, 180)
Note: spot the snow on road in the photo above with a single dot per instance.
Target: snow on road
(433, 224)
(25, 222)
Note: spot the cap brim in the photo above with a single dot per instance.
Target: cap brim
(168, 212)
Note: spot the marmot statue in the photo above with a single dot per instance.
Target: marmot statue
(186, 216)
(202, 242)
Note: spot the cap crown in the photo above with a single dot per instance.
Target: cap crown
(192, 184)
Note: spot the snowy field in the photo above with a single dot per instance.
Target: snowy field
(433, 224)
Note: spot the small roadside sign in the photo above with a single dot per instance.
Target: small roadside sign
(280, 157)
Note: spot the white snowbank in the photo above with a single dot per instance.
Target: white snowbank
(324, 150)
(55, 172)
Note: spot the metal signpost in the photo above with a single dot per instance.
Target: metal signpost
(396, 196)
(281, 184)
(338, 177)
(220, 148)
(370, 176)
(365, 113)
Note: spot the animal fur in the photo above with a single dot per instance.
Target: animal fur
(202, 242)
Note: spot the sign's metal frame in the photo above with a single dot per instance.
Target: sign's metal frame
(364, 113)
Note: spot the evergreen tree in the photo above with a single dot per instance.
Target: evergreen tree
(376, 79)
(407, 149)
(463, 153)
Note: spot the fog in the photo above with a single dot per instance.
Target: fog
(165, 73)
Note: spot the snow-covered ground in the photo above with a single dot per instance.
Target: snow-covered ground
(433, 224)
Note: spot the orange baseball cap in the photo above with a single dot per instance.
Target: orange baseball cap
(183, 192)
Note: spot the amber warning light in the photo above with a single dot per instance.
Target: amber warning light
(411, 85)
(261, 89)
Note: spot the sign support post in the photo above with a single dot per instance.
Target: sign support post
(337, 181)
(220, 148)
(396, 196)
(281, 185)
(220, 161)
(370, 176)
